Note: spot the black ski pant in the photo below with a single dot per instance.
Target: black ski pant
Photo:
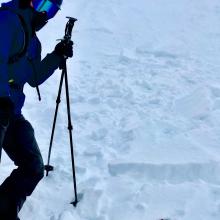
(18, 141)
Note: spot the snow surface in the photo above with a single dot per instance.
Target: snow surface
(145, 103)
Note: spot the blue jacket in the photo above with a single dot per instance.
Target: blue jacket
(30, 68)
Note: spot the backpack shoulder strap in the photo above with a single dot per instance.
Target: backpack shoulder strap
(14, 58)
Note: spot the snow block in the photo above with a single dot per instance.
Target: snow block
(195, 105)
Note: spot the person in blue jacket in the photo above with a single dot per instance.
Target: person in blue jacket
(20, 63)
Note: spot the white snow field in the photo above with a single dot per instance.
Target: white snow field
(145, 103)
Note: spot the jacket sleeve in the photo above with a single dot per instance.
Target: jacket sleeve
(44, 69)
(6, 37)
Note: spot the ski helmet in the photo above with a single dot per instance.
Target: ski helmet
(51, 7)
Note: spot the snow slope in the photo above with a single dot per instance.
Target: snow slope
(145, 98)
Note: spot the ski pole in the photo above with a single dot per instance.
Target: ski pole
(70, 128)
(48, 167)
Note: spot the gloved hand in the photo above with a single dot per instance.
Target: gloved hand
(64, 49)
(6, 110)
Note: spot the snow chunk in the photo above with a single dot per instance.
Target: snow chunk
(195, 105)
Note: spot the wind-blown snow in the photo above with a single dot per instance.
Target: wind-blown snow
(145, 103)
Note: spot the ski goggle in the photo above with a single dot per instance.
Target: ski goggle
(46, 5)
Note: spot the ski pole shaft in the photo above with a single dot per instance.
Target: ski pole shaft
(70, 128)
(48, 167)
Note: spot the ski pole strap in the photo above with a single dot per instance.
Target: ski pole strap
(35, 78)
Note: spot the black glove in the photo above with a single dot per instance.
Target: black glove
(64, 49)
(6, 110)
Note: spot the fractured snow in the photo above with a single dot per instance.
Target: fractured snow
(145, 103)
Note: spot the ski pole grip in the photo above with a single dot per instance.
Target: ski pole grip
(69, 28)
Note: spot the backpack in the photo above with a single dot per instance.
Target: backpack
(14, 58)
